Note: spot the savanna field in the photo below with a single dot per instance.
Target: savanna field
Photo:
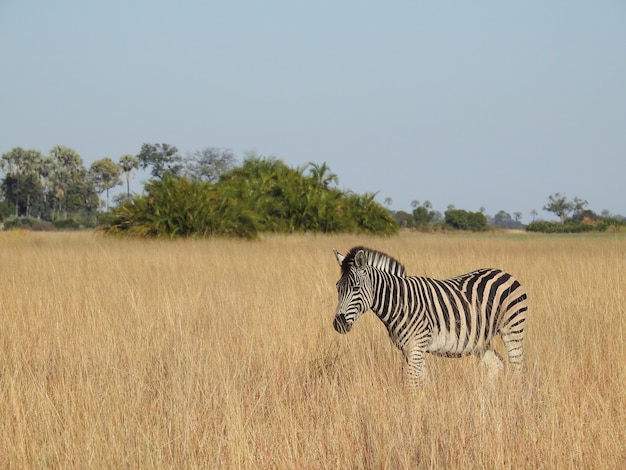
(221, 354)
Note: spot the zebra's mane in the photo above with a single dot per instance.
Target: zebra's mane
(374, 258)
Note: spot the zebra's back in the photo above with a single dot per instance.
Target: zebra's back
(466, 312)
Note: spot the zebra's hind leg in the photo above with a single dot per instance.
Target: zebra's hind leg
(494, 364)
(514, 344)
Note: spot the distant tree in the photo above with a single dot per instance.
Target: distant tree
(388, 201)
(463, 220)
(105, 174)
(21, 186)
(162, 159)
(518, 217)
(209, 163)
(45, 170)
(534, 214)
(72, 192)
(504, 220)
(23, 192)
(404, 219)
(128, 163)
(422, 215)
(579, 207)
(559, 206)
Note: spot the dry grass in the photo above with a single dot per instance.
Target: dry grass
(221, 354)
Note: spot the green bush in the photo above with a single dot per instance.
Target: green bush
(569, 226)
(66, 224)
(463, 220)
(263, 195)
(180, 207)
(27, 223)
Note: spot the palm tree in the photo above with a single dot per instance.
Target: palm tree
(128, 164)
(321, 174)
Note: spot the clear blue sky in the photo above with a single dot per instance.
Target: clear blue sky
(485, 103)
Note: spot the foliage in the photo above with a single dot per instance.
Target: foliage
(582, 220)
(162, 159)
(503, 219)
(105, 174)
(463, 220)
(23, 192)
(27, 223)
(576, 226)
(181, 207)
(5, 210)
(559, 205)
(421, 218)
(262, 195)
(289, 201)
(209, 163)
(128, 163)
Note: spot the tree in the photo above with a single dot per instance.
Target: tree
(23, 192)
(463, 220)
(533, 214)
(105, 174)
(209, 163)
(128, 163)
(579, 207)
(21, 186)
(72, 191)
(163, 159)
(422, 215)
(559, 206)
(503, 219)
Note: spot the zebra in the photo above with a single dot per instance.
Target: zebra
(450, 317)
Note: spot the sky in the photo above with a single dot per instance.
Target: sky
(483, 104)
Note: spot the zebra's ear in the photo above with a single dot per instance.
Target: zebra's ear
(339, 257)
(359, 259)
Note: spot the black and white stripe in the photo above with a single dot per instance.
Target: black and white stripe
(450, 317)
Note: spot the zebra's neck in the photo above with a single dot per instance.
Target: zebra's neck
(391, 296)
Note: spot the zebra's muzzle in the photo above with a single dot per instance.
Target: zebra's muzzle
(341, 325)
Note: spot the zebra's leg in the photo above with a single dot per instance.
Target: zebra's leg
(494, 364)
(514, 344)
(417, 372)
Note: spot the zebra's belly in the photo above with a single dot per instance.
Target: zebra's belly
(447, 343)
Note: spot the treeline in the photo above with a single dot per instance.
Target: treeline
(203, 193)
(207, 193)
(574, 217)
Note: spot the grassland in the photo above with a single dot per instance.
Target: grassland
(221, 354)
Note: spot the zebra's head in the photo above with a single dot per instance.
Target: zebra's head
(353, 289)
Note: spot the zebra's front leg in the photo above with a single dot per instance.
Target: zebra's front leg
(417, 372)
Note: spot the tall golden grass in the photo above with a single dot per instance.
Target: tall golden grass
(221, 354)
